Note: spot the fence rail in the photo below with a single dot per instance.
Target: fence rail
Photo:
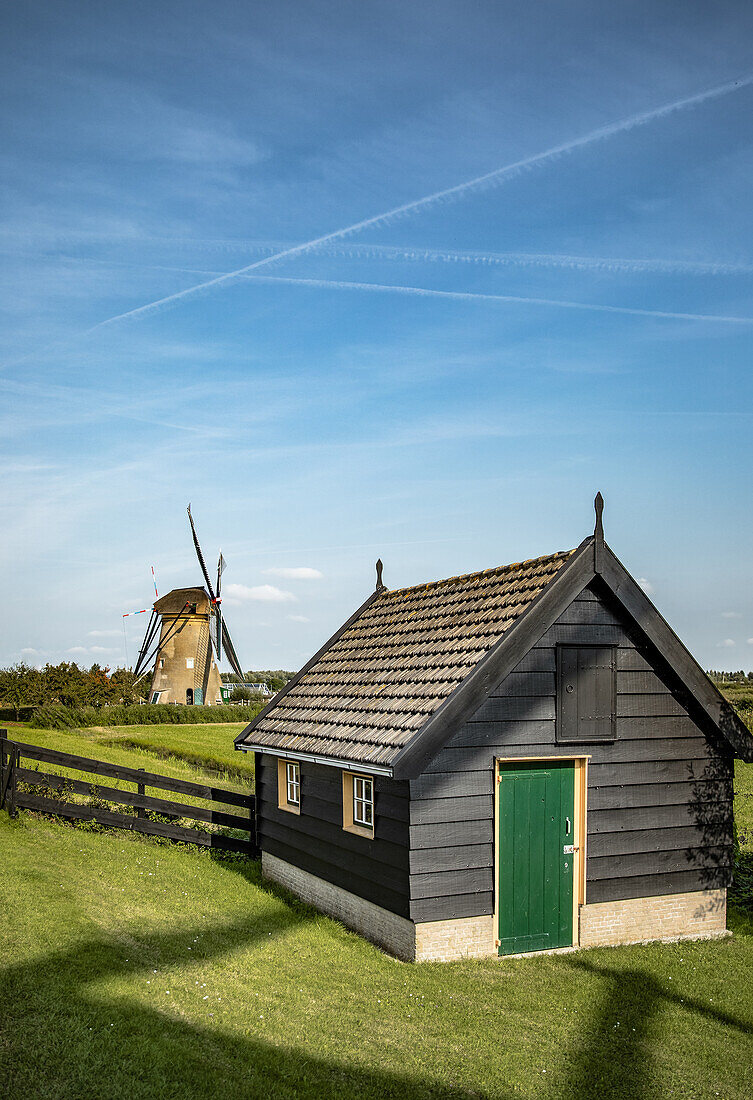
(13, 798)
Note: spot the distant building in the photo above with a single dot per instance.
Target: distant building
(257, 689)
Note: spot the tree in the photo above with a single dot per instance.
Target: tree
(20, 686)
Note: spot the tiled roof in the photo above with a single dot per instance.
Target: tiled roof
(379, 681)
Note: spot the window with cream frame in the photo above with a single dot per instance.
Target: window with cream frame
(289, 786)
(358, 804)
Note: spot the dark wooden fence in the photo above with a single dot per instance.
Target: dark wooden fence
(13, 798)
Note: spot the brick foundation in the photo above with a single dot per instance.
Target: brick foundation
(462, 938)
(387, 930)
(698, 915)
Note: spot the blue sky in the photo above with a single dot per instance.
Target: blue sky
(446, 385)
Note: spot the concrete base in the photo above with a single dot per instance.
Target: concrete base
(698, 915)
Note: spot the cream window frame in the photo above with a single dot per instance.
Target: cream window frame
(284, 785)
(355, 789)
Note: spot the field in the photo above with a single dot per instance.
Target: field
(140, 969)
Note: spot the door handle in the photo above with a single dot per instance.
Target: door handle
(567, 826)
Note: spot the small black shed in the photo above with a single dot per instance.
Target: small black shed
(516, 760)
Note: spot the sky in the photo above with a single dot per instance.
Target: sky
(409, 281)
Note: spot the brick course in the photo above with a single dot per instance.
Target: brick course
(700, 914)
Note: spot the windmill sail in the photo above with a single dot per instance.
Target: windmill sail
(200, 556)
(230, 653)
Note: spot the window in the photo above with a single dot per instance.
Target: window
(189, 662)
(155, 696)
(162, 662)
(586, 695)
(358, 804)
(289, 786)
(363, 801)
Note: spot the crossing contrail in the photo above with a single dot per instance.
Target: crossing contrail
(478, 183)
(471, 296)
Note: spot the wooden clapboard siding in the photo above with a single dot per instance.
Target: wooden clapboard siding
(659, 795)
(314, 840)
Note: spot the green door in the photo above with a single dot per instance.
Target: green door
(536, 810)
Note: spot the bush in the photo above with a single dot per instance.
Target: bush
(58, 717)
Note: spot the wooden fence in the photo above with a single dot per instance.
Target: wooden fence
(13, 798)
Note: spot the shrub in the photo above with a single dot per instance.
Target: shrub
(59, 717)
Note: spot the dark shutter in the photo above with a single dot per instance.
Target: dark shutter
(585, 693)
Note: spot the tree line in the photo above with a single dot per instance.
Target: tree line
(67, 683)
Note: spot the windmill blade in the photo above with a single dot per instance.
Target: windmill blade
(151, 630)
(230, 652)
(215, 629)
(200, 556)
(220, 570)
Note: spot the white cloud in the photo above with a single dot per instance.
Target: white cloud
(731, 615)
(265, 593)
(295, 573)
(750, 641)
(646, 585)
(104, 634)
(727, 643)
(305, 619)
(77, 649)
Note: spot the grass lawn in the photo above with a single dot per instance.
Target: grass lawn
(136, 969)
(184, 752)
(207, 746)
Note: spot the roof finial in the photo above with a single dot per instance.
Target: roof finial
(599, 528)
(380, 586)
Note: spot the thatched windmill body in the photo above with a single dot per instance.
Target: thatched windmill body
(186, 632)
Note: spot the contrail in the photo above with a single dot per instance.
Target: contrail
(539, 259)
(479, 182)
(419, 254)
(470, 296)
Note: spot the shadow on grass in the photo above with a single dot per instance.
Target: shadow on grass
(614, 1058)
(59, 1039)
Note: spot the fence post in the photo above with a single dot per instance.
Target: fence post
(141, 789)
(4, 779)
(10, 796)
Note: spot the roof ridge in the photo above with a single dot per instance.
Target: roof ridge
(517, 565)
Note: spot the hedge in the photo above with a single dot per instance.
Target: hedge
(58, 717)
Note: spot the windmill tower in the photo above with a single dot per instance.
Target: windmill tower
(186, 632)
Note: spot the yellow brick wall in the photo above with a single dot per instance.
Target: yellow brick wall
(702, 913)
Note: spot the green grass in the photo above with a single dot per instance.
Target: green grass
(184, 752)
(208, 747)
(135, 970)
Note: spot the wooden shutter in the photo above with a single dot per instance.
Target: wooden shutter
(585, 693)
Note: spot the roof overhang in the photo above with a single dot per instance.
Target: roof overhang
(332, 761)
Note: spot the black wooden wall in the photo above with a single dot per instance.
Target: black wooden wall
(659, 797)
(316, 841)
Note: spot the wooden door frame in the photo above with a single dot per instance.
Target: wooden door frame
(580, 832)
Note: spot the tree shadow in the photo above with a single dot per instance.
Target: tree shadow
(59, 1040)
(614, 1059)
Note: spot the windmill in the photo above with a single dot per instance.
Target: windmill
(185, 637)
